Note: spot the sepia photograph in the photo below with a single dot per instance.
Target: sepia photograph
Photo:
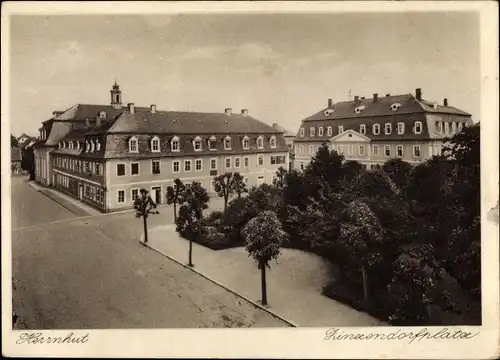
(259, 170)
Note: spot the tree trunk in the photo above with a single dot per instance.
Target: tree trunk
(226, 196)
(190, 252)
(239, 194)
(145, 229)
(175, 213)
(365, 283)
(263, 283)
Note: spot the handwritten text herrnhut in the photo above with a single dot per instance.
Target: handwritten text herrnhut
(37, 338)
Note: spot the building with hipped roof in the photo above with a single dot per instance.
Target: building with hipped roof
(376, 129)
(103, 154)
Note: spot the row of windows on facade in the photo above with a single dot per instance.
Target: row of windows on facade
(362, 150)
(133, 143)
(90, 192)
(417, 129)
(78, 165)
(134, 193)
(229, 163)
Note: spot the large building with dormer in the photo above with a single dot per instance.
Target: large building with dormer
(373, 130)
(104, 154)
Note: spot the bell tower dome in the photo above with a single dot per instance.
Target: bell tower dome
(116, 96)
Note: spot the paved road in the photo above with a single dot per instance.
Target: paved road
(92, 273)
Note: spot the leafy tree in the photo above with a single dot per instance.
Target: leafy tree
(325, 166)
(351, 169)
(13, 141)
(295, 191)
(176, 195)
(225, 185)
(398, 171)
(363, 236)
(279, 180)
(264, 237)
(191, 214)
(144, 206)
(239, 185)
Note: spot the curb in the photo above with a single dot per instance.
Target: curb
(292, 324)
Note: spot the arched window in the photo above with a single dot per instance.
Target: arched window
(133, 145)
(227, 143)
(260, 142)
(212, 143)
(272, 141)
(417, 128)
(175, 144)
(98, 145)
(92, 145)
(246, 143)
(87, 146)
(155, 144)
(102, 115)
(197, 144)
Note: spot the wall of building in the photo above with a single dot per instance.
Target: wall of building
(428, 148)
(254, 174)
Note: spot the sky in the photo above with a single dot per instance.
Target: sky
(281, 67)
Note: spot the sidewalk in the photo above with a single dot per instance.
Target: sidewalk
(294, 284)
(72, 205)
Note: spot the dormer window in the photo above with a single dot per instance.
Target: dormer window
(175, 144)
(460, 126)
(418, 127)
(197, 143)
(212, 143)
(388, 129)
(92, 146)
(440, 127)
(320, 131)
(77, 145)
(246, 143)
(401, 128)
(359, 109)
(453, 127)
(260, 142)
(395, 106)
(97, 145)
(376, 129)
(301, 132)
(133, 145)
(227, 143)
(312, 131)
(155, 144)
(87, 146)
(102, 115)
(341, 129)
(272, 141)
(446, 128)
(328, 112)
(362, 129)
(329, 131)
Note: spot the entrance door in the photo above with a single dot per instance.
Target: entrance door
(157, 194)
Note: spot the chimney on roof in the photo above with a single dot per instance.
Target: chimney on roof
(244, 112)
(418, 93)
(98, 120)
(152, 109)
(87, 122)
(387, 95)
(131, 108)
(445, 102)
(375, 98)
(356, 100)
(228, 111)
(330, 104)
